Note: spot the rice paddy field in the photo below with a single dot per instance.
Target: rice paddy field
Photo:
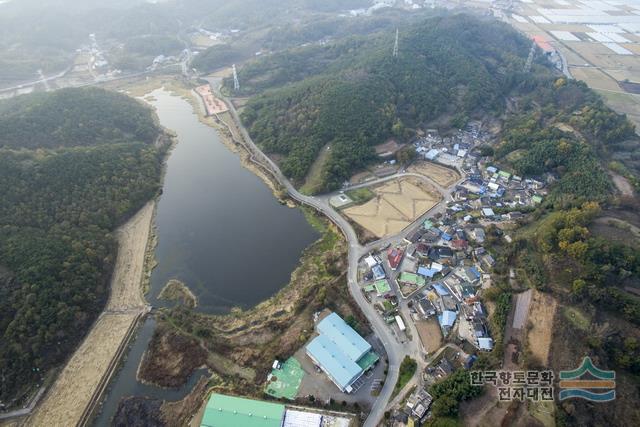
(599, 40)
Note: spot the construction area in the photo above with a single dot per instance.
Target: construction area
(212, 104)
(396, 204)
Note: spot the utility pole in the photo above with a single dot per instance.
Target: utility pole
(236, 82)
(395, 46)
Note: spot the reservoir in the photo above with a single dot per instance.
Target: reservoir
(220, 230)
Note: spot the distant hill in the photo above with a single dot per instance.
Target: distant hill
(74, 117)
(354, 94)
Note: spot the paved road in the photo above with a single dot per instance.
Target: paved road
(395, 350)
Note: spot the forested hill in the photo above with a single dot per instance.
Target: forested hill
(354, 94)
(58, 209)
(74, 117)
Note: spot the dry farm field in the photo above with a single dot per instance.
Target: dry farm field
(430, 334)
(443, 176)
(541, 317)
(396, 204)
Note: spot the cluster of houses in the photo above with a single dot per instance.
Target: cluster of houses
(442, 266)
(490, 191)
(451, 150)
(453, 266)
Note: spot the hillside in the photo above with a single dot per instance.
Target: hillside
(62, 197)
(74, 117)
(353, 94)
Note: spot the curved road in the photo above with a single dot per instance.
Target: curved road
(395, 350)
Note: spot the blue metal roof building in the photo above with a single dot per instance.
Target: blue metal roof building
(337, 350)
(342, 370)
(343, 335)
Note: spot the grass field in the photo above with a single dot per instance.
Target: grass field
(361, 195)
(408, 369)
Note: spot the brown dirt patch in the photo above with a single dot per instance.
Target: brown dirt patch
(443, 176)
(541, 319)
(430, 334)
(622, 184)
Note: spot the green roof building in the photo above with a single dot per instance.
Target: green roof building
(504, 174)
(382, 287)
(411, 278)
(230, 411)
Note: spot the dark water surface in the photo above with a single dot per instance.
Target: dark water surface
(220, 230)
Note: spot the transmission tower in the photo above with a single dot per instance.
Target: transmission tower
(395, 46)
(527, 65)
(236, 82)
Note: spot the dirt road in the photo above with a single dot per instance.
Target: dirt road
(82, 379)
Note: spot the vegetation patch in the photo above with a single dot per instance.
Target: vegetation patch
(361, 195)
(353, 95)
(408, 369)
(177, 291)
(578, 318)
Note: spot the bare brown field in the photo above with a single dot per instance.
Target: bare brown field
(572, 57)
(430, 335)
(541, 319)
(574, 28)
(632, 75)
(396, 205)
(443, 176)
